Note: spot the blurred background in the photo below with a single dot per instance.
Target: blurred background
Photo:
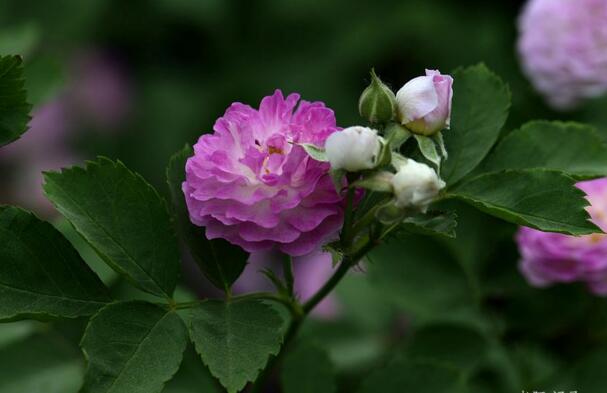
(136, 80)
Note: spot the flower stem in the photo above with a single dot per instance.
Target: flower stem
(287, 271)
(296, 322)
(329, 286)
(356, 253)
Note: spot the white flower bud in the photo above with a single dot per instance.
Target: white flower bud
(416, 185)
(353, 149)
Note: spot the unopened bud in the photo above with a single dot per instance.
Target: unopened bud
(424, 103)
(416, 185)
(353, 149)
(377, 103)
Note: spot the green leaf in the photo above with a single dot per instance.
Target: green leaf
(398, 160)
(14, 109)
(41, 274)
(440, 142)
(408, 272)
(569, 147)
(337, 177)
(123, 218)
(221, 262)
(432, 223)
(541, 199)
(480, 107)
(428, 149)
(396, 135)
(235, 339)
(405, 375)
(192, 377)
(380, 181)
(132, 347)
(40, 364)
(308, 369)
(317, 153)
(92, 259)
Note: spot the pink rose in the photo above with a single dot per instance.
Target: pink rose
(562, 48)
(548, 258)
(251, 183)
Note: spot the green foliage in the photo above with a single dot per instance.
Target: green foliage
(376, 181)
(308, 369)
(542, 199)
(428, 149)
(317, 153)
(192, 377)
(235, 339)
(480, 108)
(43, 363)
(404, 375)
(41, 275)
(221, 262)
(575, 149)
(14, 109)
(123, 218)
(92, 259)
(20, 39)
(11, 332)
(419, 276)
(586, 375)
(132, 347)
(397, 134)
(436, 223)
(448, 343)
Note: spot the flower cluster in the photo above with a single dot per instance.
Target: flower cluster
(548, 258)
(255, 183)
(423, 107)
(562, 49)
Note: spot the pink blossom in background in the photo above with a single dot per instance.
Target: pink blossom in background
(96, 94)
(99, 89)
(48, 129)
(42, 148)
(310, 271)
(563, 49)
(252, 184)
(549, 258)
